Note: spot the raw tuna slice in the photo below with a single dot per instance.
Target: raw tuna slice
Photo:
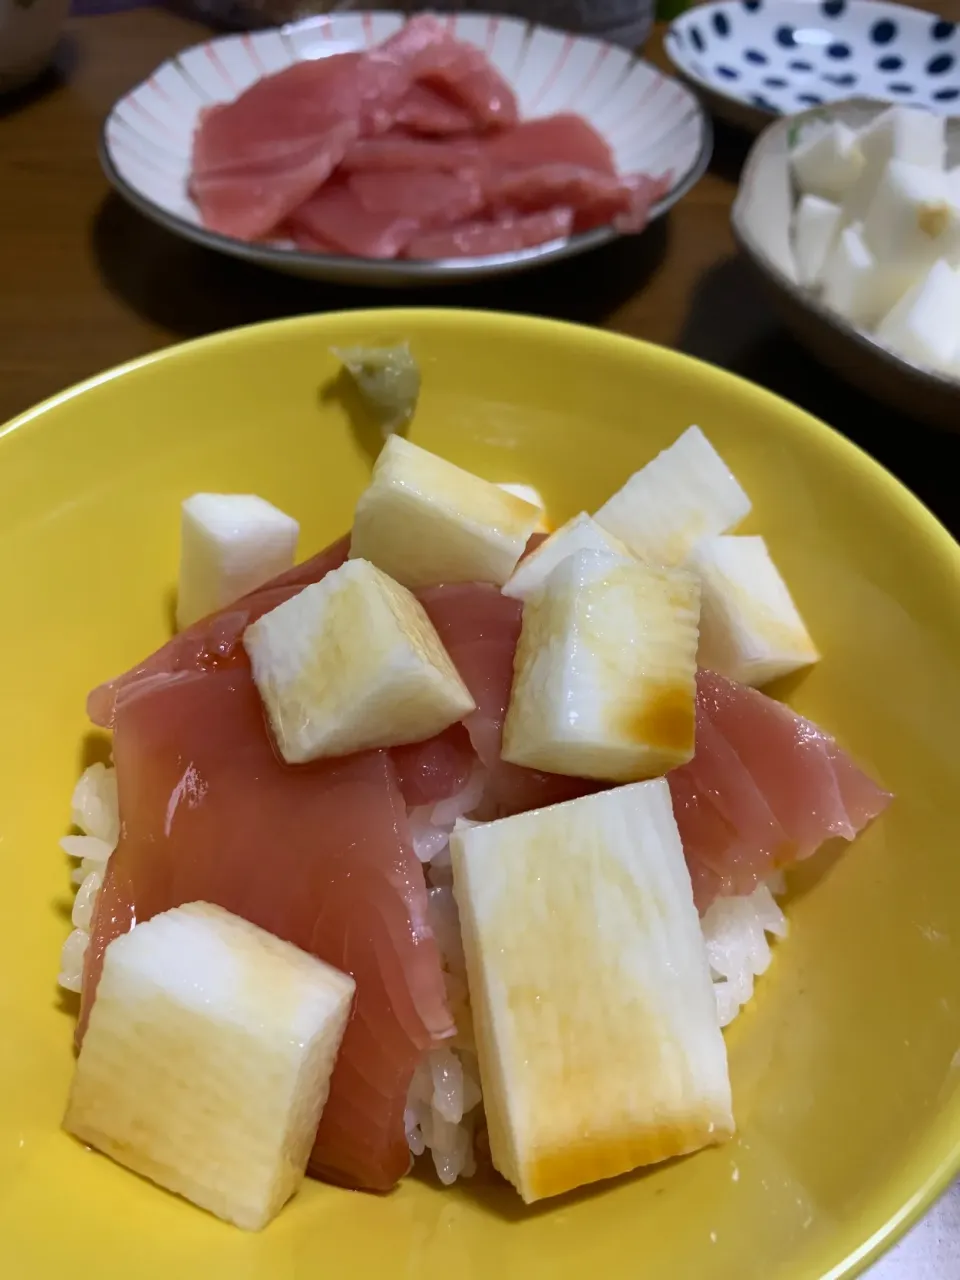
(335, 216)
(645, 191)
(432, 771)
(426, 111)
(457, 70)
(376, 213)
(703, 831)
(595, 198)
(480, 628)
(561, 139)
(432, 198)
(320, 855)
(215, 641)
(397, 150)
(479, 239)
(257, 158)
(765, 789)
(759, 840)
(308, 243)
(862, 798)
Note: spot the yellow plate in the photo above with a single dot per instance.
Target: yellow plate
(844, 1067)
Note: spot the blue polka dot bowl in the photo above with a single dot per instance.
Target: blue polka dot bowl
(754, 59)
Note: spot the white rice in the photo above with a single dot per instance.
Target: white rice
(95, 810)
(735, 932)
(443, 1105)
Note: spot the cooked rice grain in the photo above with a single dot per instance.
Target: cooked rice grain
(95, 810)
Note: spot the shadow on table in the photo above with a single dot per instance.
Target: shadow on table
(56, 75)
(730, 323)
(730, 148)
(193, 291)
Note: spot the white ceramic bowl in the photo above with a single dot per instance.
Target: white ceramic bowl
(761, 225)
(653, 123)
(756, 59)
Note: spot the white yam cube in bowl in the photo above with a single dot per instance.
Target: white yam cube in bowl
(851, 215)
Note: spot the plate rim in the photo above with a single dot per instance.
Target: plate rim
(399, 271)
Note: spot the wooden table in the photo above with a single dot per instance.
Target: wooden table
(86, 283)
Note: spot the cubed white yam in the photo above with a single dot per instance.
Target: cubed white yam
(905, 133)
(910, 134)
(207, 1060)
(911, 219)
(527, 493)
(924, 326)
(595, 1016)
(750, 628)
(582, 533)
(605, 670)
(826, 162)
(686, 493)
(353, 662)
(856, 285)
(423, 521)
(230, 543)
(816, 225)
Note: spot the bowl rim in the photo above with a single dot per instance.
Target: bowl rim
(919, 374)
(808, 424)
(936, 1170)
(399, 271)
(725, 90)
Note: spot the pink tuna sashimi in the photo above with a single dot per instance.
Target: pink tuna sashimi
(703, 830)
(335, 216)
(320, 855)
(805, 797)
(645, 191)
(426, 111)
(307, 243)
(259, 157)
(432, 771)
(397, 150)
(595, 198)
(765, 789)
(562, 160)
(459, 71)
(480, 628)
(432, 198)
(216, 641)
(561, 139)
(756, 837)
(508, 233)
(376, 213)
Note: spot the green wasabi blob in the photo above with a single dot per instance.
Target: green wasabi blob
(388, 379)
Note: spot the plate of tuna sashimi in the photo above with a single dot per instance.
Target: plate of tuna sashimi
(370, 148)
(459, 842)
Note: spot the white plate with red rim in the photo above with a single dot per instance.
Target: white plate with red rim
(652, 122)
